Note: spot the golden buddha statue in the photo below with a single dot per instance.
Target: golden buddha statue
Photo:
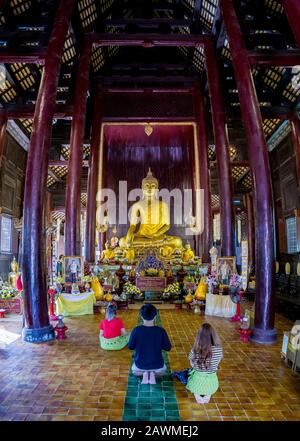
(12, 276)
(188, 254)
(129, 253)
(108, 253)
(154, 217)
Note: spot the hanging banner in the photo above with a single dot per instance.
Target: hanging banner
(244, 264)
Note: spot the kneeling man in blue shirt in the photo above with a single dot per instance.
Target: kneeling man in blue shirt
(149, 341)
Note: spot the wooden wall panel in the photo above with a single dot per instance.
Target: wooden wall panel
(285, 188)
(12, 173)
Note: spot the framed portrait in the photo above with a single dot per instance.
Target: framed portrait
(72, 269)
(226, 266)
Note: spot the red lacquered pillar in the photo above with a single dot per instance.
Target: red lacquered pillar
(292, 9)
(264, 331)
(222, 148)
(73, 190)
(250, 231)
(37, 328)
(204, 174)
(195, 238)
(295, 125)
(3, 125)
(90, 231)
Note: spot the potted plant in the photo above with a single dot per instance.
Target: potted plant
(171, 291)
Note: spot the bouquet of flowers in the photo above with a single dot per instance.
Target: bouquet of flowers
(129, 288)
(7, 292)
(171, 290)
(235, 281)
(211, 281)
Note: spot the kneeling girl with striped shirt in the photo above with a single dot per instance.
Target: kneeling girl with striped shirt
(205, 357)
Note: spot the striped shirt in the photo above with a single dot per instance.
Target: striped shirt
(217, 354)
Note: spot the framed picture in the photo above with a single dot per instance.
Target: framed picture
(72, 269)
(226, 266)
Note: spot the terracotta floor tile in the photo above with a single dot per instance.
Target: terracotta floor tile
(75, 380)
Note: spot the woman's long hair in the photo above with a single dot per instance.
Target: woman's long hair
(111, 312)
(205, 339)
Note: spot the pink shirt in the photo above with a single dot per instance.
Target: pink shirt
(112, 328)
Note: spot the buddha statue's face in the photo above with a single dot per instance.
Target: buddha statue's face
(149, 189)
(187, 246)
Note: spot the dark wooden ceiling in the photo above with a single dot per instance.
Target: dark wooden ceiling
(25, 27)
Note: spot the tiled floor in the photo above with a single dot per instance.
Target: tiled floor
(75, 380)
(145, 402)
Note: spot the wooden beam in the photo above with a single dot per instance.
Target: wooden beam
(185, 90)
(53, 175)
(148, 40)
(144, 22)
(30, 57)
(233, 163)
(62, 208)
(61, 111)
(197, 9)
(131, 79)
(283, 113)
(274, 58)
(61, 163)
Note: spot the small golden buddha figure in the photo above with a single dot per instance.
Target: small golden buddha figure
(154, 220)
(108, 253)
(12, 276)
(188, 254)
(129, 253)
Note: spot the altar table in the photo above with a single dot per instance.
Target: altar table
(75, 304)
(220, 306)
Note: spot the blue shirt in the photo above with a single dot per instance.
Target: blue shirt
(148, 342)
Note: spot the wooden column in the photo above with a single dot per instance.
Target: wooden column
(206, 237)
(264, 331)
(292, 9)
(36, 320)
(90, 231)
(3, 125)
(222, 148)
(295, 125)
(73, 190)
(250, 231)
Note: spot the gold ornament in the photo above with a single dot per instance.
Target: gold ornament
(148, 129)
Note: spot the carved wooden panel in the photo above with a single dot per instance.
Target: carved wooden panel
(8, 198)
(285, 187)
(12, 178)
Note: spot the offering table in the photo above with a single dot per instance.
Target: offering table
(75, 304)
(220, 306)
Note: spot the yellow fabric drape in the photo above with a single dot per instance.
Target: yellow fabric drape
(220, 306)
(81, 304)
